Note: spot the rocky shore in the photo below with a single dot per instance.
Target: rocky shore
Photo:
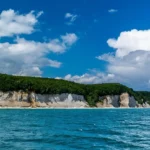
(65, 100)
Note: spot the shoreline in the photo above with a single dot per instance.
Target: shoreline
(75, 108)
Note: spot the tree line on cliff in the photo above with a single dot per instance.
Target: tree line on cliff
(91, 92)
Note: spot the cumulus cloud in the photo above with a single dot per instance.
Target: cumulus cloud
(28, 57)
(25, 57)
(112, 10)
(69, 39)
(130, 41)
(109, 57)
(70, 18)
(128, 64)
(14, 23)
(131, 60)
(93, 77)
(33, 71)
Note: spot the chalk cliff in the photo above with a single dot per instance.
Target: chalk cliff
(31, 99)
(146, 105)
(123, 100)
(22, 99)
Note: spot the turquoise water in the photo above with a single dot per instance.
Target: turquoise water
(70, 129)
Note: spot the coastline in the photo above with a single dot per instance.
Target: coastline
(96, 108)
(32, 100)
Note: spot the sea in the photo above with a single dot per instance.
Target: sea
(74, 129)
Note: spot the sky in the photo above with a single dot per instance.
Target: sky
(85, 41)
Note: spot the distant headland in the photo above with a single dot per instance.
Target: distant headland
(18, 91)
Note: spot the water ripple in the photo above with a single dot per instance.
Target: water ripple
(61, 129)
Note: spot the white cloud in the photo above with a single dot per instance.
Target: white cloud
(33, 71)
(130, 62)
(68, 15)
(93, 77)
(71, 18)
(25, 57)
(54, 63)
(14, 23)
(130, 41)
(109, 57)
(69, 39)
(28, 57)
(39, 14)
(112, 10)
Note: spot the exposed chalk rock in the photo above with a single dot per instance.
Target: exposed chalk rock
(139, 105)
(110, 101)
(30, 99)
(107, 102)
(146, 105)
(124, 100)
(22, 99)
(99, 104)
(132, 101)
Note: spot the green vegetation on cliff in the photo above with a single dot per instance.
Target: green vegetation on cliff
(55, 86)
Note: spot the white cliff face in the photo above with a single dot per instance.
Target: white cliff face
(14, 99)
(132, 102)
(123, 100)
(62, 100)
(110, 101)
(22, 99)
(107, 102)
(146, 105)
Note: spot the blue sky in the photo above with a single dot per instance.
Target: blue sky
(86, 41)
